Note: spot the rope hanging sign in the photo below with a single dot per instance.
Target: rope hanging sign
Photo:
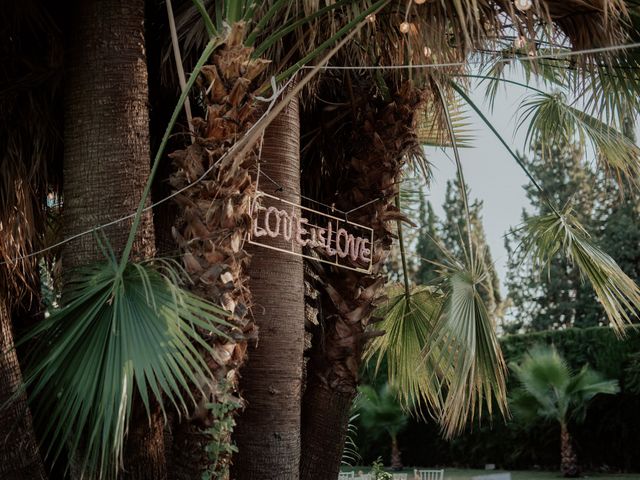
(284, 226)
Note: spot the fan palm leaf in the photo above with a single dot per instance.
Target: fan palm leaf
(119, 335)
(557, 232)
(468, 346)
(408, 322)
(548, 389)
(550, 119)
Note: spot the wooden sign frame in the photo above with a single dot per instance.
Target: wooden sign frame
(354, 248)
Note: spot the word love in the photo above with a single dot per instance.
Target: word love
(291, 227)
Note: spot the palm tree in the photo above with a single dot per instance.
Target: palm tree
(361, 133)
(214, 219)
(357, 154)
(107, 159)
(550, 391)
(381, 412)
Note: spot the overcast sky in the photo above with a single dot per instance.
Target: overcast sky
(492, 174)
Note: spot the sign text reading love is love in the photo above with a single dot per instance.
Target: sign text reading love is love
(340, 242)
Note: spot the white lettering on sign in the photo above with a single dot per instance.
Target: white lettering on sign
(343, 243)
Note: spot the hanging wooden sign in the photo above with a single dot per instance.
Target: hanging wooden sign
(287, 227)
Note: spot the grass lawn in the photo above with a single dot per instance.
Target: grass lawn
(463, 474)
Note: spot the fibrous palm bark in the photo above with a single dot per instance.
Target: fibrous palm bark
(268, 432)
(214, 217)
(378, 143)
(19, 455)
(107, 161)
(396, 454)
(568, 459)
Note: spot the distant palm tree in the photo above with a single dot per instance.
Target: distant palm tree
(551, 391)
(380, 412)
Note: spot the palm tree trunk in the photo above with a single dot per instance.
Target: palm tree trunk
(107, 159)
(268, 431)
(396, 455)
(19, 456)
(212, 222)
(325, 416)
(569, 461)
(366, 162)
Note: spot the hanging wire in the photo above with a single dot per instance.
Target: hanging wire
(273, 98)
(159, 202)
(529, 58)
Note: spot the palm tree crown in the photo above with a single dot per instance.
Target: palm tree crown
(551, 391)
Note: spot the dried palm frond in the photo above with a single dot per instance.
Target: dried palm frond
(30, 141)
(465, 345)
(433, 32)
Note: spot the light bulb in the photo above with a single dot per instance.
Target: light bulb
(371, 17)
(404, 27)
(523, 5)
(419, 2)
(427, 52)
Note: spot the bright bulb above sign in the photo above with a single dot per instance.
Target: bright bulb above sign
(287, 227)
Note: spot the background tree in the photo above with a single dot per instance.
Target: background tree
(550, 391)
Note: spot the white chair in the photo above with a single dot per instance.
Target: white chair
(399, 476)
(346, 475)
(429, 474)
(365, 476)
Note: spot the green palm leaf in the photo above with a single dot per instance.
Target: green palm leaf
(551, 119)
(554, 232)
(549, 390)
(380, 410)
(408, 321)
(468, 346)
(118, 336)
(432, 128)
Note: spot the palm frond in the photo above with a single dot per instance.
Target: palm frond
(548, 72)
(549, 389)
(118, 336)
(408, 321)
(432, 129)
(350, 454)
(380, 410)
(549, 234)
(469, 347)
(611, 92)
(550, 119)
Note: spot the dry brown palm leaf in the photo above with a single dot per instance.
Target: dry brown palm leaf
(30, 143)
